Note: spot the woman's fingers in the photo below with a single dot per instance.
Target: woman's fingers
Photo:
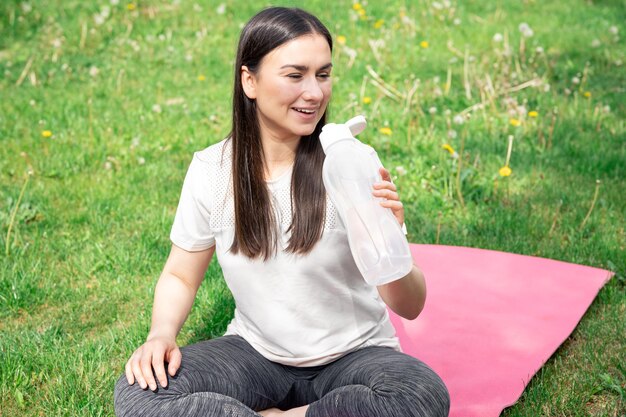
(159, 367)
(130, 377)
(388, 194)
(136, 369)
(174, 360)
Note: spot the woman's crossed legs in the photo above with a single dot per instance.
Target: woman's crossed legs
(227, 377)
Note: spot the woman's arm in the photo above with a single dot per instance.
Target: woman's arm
(176, 290)
(173, 298)
(406, 296)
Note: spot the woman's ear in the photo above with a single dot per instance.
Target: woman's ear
(248, 82)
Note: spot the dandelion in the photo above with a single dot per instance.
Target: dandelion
(458, 119)
(498, 37)
(533, 113)
(221, 9)
(539, 50)
(452, 134)
(46, 133)
(401, 170)
(595, 43)
(362, 13)
(141, 160)
(575, 80)
(26, 8)
(613, 30)
(379, 23)
(156, 108)
(367, 100)
(424, 44)
(432, 110)
(131, 6)
(505, 171)
(201, 77)
(98, 19)
(357, 6)
(385, 131)
(93, 71)
(456, 21)
(341, 40)
(606, 109)
(115, 2)
(587, 94)
(450, 150)
(527, 32)
(515, 122)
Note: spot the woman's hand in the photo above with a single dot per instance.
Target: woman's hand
(386, 189)
(153, 354)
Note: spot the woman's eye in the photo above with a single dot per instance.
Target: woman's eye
(295, 76)
(324, 75)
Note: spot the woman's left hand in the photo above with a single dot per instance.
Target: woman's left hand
(386, 189)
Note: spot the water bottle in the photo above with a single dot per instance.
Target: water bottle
(377, 242)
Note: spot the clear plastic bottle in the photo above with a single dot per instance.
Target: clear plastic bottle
(377, 242)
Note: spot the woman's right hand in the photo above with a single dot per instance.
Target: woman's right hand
(153, 354)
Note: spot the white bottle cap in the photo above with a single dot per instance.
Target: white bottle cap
(333, 132)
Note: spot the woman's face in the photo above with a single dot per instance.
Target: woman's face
(291, 87)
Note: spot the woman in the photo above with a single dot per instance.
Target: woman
(309, 336)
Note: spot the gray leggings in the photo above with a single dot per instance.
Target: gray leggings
(226, 377)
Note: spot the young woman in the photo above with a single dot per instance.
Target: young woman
(309, 336)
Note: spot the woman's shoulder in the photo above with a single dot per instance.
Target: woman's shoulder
(218, 154)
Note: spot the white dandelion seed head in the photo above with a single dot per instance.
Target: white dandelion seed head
(546, 87)
(525, 29)
(521, 110)
(93, 71)
(595, 43)
(458, 119)
(437, 92)
(108, 165)
(452, 134)
(401, 170)
(115, 2)
(453, 60)
(447, 112)
(498, 37)
(447, 4)
(575, 80)
(188, 57)
(57, 43)
(221, 9)
(141, 160)
(567, 91)
(156, 108)
(606, 108)
(26, 8)
(105, 11)
(618, 62)
(456, 21)
(539, 50)
(98, 19)
(613, 30)
(432, 110)
(32, 103)
(436, 5)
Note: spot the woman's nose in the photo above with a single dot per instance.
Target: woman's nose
(312, 91)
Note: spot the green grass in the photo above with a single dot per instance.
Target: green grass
(90, 234)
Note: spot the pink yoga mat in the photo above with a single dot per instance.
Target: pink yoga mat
(492, 319)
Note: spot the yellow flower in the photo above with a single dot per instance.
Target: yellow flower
(46, 133)
(385, 131)
(367, 100)
(201, 77)
(515, 122)
(587, 94)
(131, 6)
(448, 148)
(505, 171)
(424, 44)
(357, 6)
(379, 23)
(341, 40)
(362, 13)
(533, 113)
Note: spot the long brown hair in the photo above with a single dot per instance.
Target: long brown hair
(256, 228)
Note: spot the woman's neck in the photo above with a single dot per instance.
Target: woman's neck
(279, 155)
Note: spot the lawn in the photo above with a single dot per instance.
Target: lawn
(503, 123)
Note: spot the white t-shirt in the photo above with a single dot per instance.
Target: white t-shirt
(296, 310)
